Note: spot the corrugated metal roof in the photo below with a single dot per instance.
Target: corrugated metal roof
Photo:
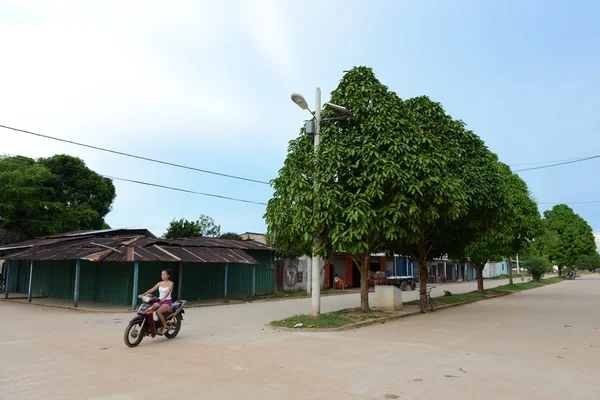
(133, 248)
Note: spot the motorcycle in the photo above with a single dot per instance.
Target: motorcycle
(144, 323)
(571, 275)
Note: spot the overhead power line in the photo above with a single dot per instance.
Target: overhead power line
(558, 164)
(544, 162)
(136, 156)
(121, 153)
(184, 190)
(572, 202)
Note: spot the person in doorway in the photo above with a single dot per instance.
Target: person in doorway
(338, 283)
(165, 287)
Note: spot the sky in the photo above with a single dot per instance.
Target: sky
(208, 83)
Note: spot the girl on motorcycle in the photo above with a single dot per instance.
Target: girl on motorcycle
(165, 287)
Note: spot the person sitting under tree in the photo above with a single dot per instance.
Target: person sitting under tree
(338, 283)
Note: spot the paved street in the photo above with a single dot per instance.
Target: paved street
(541, 343)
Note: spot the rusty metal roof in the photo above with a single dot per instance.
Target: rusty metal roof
(133, 247)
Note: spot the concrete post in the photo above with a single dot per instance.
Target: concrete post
(136, 275)
(226, 273)
(180, 289)
(77, 277)
(7, 279)
(30, 292)
(253, 280)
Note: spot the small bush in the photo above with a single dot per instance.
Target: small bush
(537, 266)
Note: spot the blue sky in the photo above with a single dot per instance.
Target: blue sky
(207, 84)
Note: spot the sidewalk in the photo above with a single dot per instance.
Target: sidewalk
(273, 308)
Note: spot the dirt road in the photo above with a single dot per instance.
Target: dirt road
(537, 344)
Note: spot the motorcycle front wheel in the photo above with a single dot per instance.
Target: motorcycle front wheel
(174, 328)
(134, 333)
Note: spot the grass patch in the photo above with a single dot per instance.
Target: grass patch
(525, 285)
(455, 298)
(336, 319)
(324, 321)
(459, 298)
(296, 294)
(505, 276)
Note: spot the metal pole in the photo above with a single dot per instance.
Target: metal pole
(253, 280)
(136, 275)
(7, 279)
(77, 277)
(30, 293)
(226, 271)
(445, 270)
(180, 289)
(316, 264)
(309, 277)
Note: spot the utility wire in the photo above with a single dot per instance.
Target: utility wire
(571, 161)
(573, 202)
(184, 190)
(544, 162)
(557, 164)
(135, 156)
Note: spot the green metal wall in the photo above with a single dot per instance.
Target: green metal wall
(265, 280)
(265, 271)
(207, 281)
(54, 279)
(113, 282)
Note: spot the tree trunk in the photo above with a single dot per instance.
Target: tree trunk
(363, 267)
(479, 269)
(559, 270)
(510, 277)
(423, 276)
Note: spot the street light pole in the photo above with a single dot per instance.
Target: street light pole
(343, 113)
(316, 259)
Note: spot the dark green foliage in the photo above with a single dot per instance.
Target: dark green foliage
(51, 195)
(573, 236)
(537, 266)
(203, 227)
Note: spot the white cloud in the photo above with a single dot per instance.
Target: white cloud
(74, 67)
(266, 23)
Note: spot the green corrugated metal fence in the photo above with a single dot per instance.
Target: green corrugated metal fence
(113, 282)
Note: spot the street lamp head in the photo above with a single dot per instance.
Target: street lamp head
(300, 101)
(341, 111)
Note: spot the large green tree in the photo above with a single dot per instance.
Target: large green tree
(590, 262)
(370, 176)
(575, 237)
(204, 226)
(468, 178)
(516, 226)
(51, 195)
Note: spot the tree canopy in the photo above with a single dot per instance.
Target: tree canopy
(590, 262)
(52, 195)
(204, 226)
(468, 179)
(574, 236)
(519, 224)
(369, 173)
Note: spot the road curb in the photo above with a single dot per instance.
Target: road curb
(382, 320)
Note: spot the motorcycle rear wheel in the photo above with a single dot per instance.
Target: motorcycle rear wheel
(170, 334)
(132, 339)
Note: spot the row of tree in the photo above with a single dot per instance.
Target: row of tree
(52, 195)
(405, 177)
(204, 226)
